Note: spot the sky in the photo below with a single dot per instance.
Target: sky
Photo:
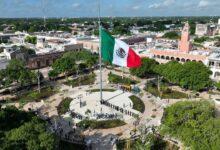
(109, 8)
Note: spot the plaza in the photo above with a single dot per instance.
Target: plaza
(88, 105)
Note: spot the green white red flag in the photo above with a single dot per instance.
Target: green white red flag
(118, 52)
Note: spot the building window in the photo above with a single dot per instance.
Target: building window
(211, 63)
(47, 62)
(38, 64)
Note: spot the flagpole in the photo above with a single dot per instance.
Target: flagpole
(100, 54)
(123, 72)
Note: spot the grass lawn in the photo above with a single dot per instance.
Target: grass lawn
(166, 92)
(138, 104)
(152, 142)
(84, 80)
(64, 106)
(113, 78)
(36, 96)
(104, 124)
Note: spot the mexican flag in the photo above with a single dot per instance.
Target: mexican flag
(118, 52)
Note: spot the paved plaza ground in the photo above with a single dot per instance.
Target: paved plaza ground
(152, 115)
(92, 104)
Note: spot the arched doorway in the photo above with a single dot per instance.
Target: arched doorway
(183, 60)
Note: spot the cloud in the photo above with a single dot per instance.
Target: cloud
(88, 8)
(165, 3)
(155, 5)
(204, 3)
(168, 2)
(136, 7)
(76, 5)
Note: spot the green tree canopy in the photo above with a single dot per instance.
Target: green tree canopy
(194, 123)
(31, 39)
(16, 71)
(64, 65)
(147, 68)
(190, 75)
(171, 35)
(71, 61)
(201, 39)
(172, 71)
(53, 73)
(22, 130)
(195, 76)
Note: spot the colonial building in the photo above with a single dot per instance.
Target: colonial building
(43, 60)
(183, 53)
(135, 40)
(206, 30)
(214, 64)
(47, 59)
(92, 45)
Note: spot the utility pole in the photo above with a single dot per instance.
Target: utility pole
(123, 72)
(38, 80)
(146, 85)
(158, 83)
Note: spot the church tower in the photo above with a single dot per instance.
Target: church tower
(184, 44)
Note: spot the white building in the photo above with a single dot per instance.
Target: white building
(201, 29)
(214, 64)
(9, 50)
(47, 44)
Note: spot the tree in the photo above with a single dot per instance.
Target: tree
(96, 32)
(172, 71)
(14, 69)
(217, 85)
(192, 27)
(81, 67)
(171, 35)
(91, 62)
(32, 28)
(23, 130)
(190, 75)
(31, 39)
(195, 76)
(193, 123)
(150, 142)
(121, 30)
(27, 51)
(147, 68)
(27, 77)
(53, 74)
(64, 65)
(65, 28)
(73, 61)
(16, 72)
(201, 39)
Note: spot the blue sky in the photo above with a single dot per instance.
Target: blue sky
(88, 8)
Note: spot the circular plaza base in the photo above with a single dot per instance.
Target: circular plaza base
(115, 105)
